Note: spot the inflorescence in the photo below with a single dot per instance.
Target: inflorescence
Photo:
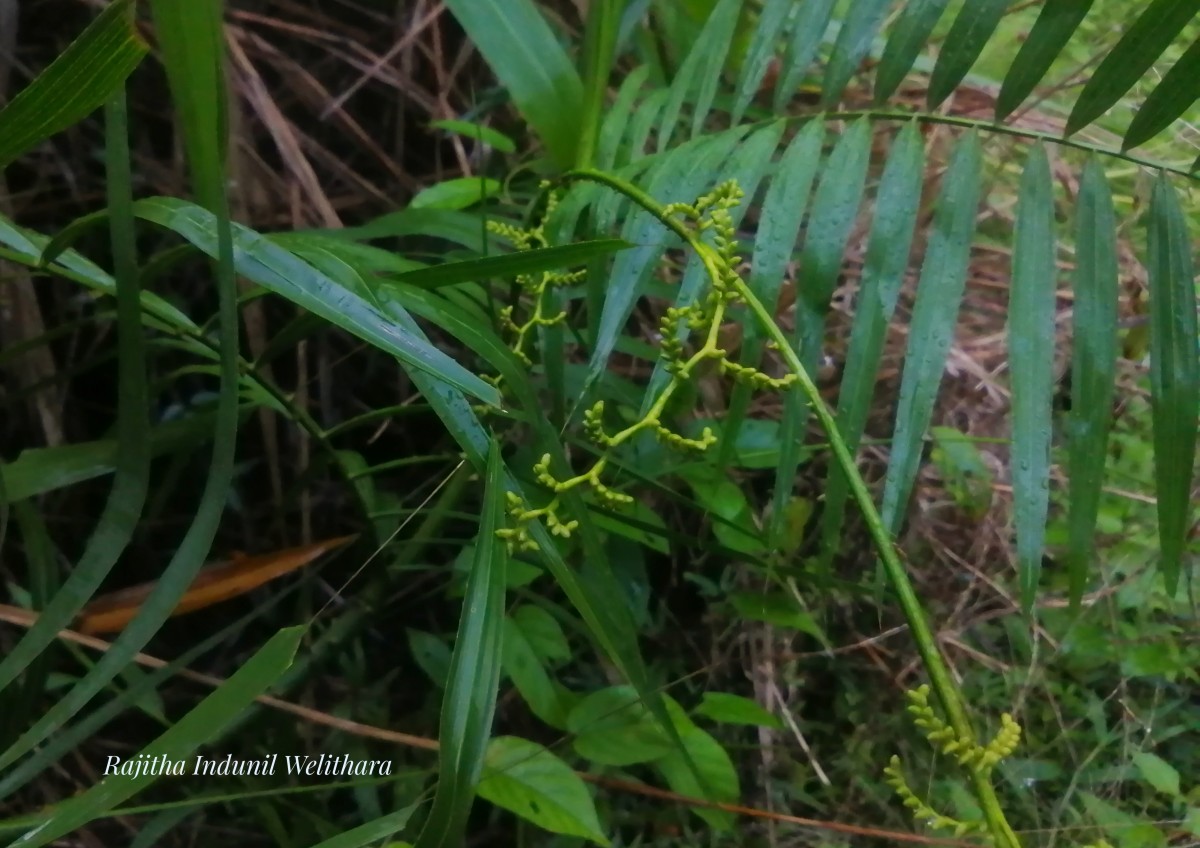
(709, 216)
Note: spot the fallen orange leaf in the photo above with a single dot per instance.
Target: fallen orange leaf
(216, 582)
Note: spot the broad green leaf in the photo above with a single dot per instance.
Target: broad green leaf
(969, 34)
(909, 36)
(1174, 372)
(85, 75)
(524, 667)
(370, 832)
(455, 194)
(771, 22)
(1172, 97)
(733, 520)
(529, 61)
(714, 777)
(808, 31)
(531, 782)
(931, 330)
(834, 210)
(852, 45)
(469, 703)
(1158, 773)
(201, 724)
(700, 72)
(884, 269)
(734, 709)
(276, 269)
(1056, 23)
(36, 471)
(1031, 306)
(511, 264)
(543, 632)
(1159, 23)
(613, 727)
(476, 132)
(777, 609)
(1093, 365)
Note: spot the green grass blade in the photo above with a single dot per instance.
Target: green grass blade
(1139, 48)
(853, 42)
(834, 210)
(931, 331)
(969, 34)
(1171, 98)
(758, 57)
(525, 56)
(1093, 366)
(599, 49)
(896, 211)
(474, 680)
(83, 77)
(384, 827)
(1055, 25)
(909, 37)
(177, 744)
(124, 506)
(618, 119)
(700, 70)
(1174, 372)
(278, 270)
(808, 31)
(1031, 366)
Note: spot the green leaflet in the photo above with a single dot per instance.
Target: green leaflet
(939, 292)
(969, 34)
(1093, 365)
(1031, 366)
(1173, 96)
(1055, 25)
(1174, 372)
(909, 37)
(1141, 45)
(853, 42)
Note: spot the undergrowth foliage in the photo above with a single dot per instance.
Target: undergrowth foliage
(749, 134)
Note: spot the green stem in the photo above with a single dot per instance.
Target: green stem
(939, 675)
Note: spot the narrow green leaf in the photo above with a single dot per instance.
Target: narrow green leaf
(853, 42)
(909, 37)
(1093, 365)
(618, 118)
(1160, 774)
(124, 506)
(511, 264)
(1143, 42)
(529, 61)
(1056, 23)
(1031, 307)
(1174, 372)
(834, 211)
(771, 22)
(599, 53)
(1172, 97)
(455, 194)
(178, 743)
(470, 699)
(931, 330)
(476, 132)
(896, 211)
(368, 833)
(85, 75)
(969, 34)
(808, 31)
(276, 269)
(700, 72)
(531, 782)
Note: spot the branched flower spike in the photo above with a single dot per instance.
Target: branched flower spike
(710, 222)
(968, 753)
